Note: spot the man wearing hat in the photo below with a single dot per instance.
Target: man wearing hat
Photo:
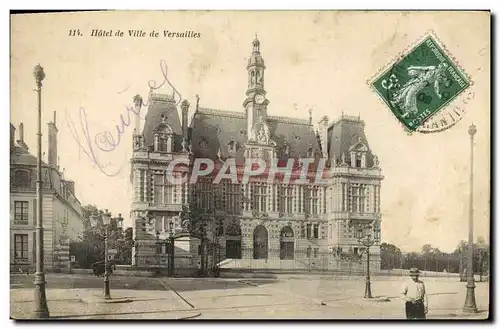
(415, 296)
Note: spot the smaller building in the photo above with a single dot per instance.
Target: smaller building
(62, 211)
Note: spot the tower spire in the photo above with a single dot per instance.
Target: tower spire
(256, 45)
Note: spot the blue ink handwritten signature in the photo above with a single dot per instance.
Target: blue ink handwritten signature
(105, 141)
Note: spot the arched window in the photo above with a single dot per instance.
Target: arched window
(358, 155)
(163, 139)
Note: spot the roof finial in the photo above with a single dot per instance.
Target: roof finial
(310, 115)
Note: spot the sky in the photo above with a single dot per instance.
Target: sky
(319, 60)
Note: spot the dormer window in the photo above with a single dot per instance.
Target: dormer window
(22, 179)
(358, 154)
(287, 149)
(310, 151)
(231, 146)
(203, 143)
(163, 139)
(358, 160)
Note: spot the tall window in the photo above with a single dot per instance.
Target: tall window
(362, 198)
(204, 194)
(233, 198)
(324, 200)
(159, 184)
(183, 191)
(21, 246)
(259, 197)
(311, 200)
(316, 231)
(358, 198)
(285, 197)
(309, 231)
(355, 197)
(164, 193)
(300, 198)
(141, 184)
(169, 193)
(163, 143)
(21, 212)
(343, 199)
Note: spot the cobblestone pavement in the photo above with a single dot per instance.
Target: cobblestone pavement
(301, 297)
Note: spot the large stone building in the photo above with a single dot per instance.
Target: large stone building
(62, 215)
(258, 223)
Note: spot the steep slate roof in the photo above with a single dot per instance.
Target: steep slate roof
(344, 133)
(159, 105)
(20, 156)
(217, 128)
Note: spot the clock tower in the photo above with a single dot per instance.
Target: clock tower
(255, 102)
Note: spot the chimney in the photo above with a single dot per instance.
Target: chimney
(52, 149)
(323, 135)
(70, 185)
(20, 141)
(185, 109)
(137, 112)
(12, 135)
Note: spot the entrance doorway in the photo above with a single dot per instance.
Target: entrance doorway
(287, 243)
(260, 242)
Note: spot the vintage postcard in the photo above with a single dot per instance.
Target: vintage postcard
(250, 165)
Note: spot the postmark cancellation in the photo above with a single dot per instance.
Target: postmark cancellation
(420, 84)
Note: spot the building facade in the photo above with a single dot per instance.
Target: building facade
(62, 214)
(260, 222)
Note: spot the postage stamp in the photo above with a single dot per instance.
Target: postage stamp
(420, 83)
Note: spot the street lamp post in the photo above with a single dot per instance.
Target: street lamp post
(364, 235)
(41, 309)
(202, 247)
(172, 249)
(470, 299)
(106, 222)
(158, 252)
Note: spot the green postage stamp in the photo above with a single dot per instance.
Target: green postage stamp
(420, 83)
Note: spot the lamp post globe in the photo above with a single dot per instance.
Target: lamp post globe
(39, 74)
(472, 129)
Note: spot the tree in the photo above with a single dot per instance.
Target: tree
(89, 210)
(124, 247)
(90, 247)
(426, 249)
(390, 256)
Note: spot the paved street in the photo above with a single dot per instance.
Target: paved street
(315, 297)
